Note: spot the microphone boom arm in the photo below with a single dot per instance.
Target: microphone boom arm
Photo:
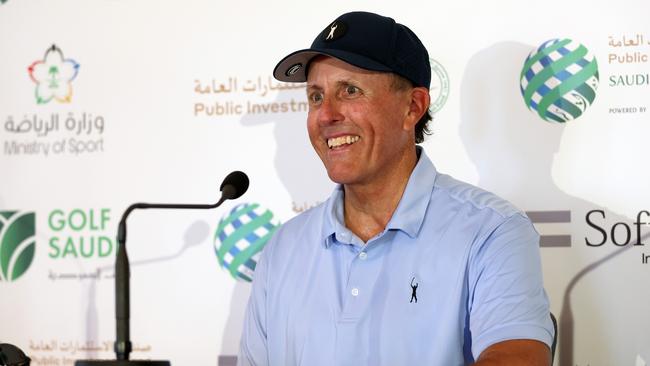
(233, 186)
(123, 346)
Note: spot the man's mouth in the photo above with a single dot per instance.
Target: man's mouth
(342, 140)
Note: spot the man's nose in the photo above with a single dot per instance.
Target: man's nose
(330, 111)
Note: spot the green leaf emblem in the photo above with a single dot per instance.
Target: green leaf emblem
(17, 243)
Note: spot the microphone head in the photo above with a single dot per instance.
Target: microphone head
(234, 185)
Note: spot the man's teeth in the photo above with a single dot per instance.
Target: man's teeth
(338, 141)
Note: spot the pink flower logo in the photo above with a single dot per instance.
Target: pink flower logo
(53, 76)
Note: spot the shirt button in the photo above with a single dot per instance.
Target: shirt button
(355, 292)
(363, 255)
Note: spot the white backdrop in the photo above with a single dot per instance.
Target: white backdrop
(180, 94)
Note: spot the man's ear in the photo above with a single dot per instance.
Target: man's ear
(419, 104)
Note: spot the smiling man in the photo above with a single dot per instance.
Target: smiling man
(402, 265)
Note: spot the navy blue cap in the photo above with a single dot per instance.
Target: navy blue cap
(366, 40)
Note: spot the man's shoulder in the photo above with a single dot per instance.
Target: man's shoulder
(463, 193)
(307, 223)
(296, 239)
(310, 216)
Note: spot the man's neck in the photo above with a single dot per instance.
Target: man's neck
(369, 207)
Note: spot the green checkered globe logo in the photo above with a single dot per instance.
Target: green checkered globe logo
(559, 80)
(240, 236)
(17, 243)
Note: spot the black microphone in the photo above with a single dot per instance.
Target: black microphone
(233, 186)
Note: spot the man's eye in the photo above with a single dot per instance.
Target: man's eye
(315, 97)
(351, 90)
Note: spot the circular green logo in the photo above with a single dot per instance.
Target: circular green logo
(439, 89)
(559, 80)
(240, 236)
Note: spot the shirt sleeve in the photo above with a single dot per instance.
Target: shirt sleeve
(508, 300)
(253, 349)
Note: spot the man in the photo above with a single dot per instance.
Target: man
(336, 285)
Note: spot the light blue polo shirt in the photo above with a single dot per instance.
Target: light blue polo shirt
(456, 270)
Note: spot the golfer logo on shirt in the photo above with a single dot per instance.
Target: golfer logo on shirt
(414, 295)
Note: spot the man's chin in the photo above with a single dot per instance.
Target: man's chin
(342, 177)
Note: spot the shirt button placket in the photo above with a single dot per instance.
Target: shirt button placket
(362, 256)
(357, 283)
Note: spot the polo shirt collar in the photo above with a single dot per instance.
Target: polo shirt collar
(409, 214)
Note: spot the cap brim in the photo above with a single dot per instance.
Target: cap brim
(303, 57)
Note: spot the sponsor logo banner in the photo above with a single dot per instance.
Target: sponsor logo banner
(57, 132)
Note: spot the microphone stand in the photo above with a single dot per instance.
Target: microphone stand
(232, 189)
